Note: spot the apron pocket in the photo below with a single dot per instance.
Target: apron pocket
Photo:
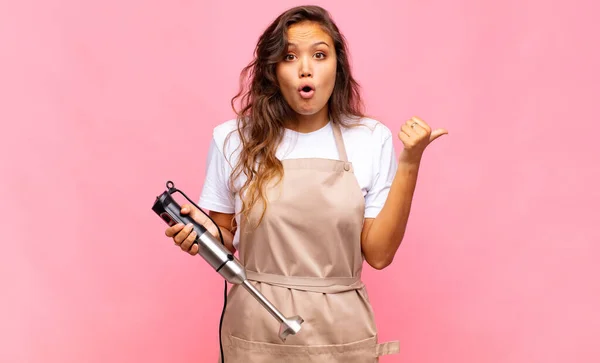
(363, 351)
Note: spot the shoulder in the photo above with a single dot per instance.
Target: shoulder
(367, 129)
(226, 138)
(224, 129)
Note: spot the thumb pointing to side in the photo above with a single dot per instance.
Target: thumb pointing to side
(437, 133)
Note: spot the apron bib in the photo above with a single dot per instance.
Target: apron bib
(306, 258)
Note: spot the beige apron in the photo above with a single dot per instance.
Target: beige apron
(306, 258)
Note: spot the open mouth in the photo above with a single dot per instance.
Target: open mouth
(307, 91)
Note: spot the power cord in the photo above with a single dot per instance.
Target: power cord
(172, 189)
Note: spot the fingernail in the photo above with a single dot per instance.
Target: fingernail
(189, 225)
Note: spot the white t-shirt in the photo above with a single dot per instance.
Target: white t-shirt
(370, 150)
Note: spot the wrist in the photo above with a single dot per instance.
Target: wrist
(409, 160)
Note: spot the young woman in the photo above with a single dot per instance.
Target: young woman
(305, 188)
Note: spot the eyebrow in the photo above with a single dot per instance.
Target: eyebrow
(314, 44)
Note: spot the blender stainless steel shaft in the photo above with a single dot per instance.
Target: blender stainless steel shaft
(232, 270)
(287, 326)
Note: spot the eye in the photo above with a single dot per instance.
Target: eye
(320, 55)
(288, 57)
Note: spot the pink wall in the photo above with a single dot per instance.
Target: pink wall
(102, 102)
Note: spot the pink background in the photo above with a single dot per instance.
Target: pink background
(103, 102)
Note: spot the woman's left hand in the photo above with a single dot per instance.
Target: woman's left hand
(415, 134)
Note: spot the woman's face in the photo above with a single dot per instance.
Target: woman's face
(306, 76)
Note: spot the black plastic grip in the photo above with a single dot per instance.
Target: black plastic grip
(170, 212)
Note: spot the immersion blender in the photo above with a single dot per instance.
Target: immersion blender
(220, 258)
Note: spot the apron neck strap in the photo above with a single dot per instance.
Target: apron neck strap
(339, 142)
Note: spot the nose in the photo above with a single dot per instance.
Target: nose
(305, 69)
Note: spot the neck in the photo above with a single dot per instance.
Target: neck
(309, 123)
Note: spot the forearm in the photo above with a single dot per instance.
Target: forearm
(227, 239)
(387, 229)
(226, 224)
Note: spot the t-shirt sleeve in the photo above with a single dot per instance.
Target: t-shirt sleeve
(216, 194)
(385, 165)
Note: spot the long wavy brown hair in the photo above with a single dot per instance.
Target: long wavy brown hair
(263, 110)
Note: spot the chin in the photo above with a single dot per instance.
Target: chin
(308, 111)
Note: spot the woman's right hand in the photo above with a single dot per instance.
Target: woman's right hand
(184, 236)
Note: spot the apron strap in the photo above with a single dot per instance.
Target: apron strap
(387, 348)
(328, 285)
(339, 142)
